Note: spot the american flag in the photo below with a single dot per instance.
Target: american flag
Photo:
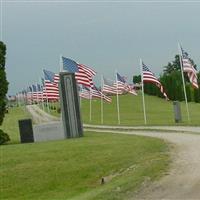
(109, 86)
(96, 93)
(189, 68)
(148, 76)
(56, 79)
(50, 89)
(83, 74)
(85, 93)
(123, 86)
(34, 93)
(91, 93)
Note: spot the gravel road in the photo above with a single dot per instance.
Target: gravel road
(40, 116)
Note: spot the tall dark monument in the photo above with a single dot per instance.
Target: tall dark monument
(69, 101)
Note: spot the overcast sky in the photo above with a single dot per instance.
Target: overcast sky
(106, 36)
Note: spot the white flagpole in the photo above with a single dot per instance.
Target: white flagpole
(32, 95)
(143, 101)
(90, 104)
(61, 70)
(102, 99)
(42, 94)
(37, 93)
(118, 111)
(60, 62)
(42, 100)
(47, 100)
(186, 101)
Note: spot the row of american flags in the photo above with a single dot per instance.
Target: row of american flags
(48, 89)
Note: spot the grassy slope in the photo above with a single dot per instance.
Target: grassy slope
(158, 111)
(72, 169)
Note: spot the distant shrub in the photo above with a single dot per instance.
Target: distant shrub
(58, 110)
(4, 137)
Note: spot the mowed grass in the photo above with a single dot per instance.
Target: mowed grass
(72, 169)
(158, 111)
(10, 123)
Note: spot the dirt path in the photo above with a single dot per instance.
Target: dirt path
(183, 180)
(39, 116)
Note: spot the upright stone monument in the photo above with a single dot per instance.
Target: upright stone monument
(177, 111)
(69, 101)
(26, 130)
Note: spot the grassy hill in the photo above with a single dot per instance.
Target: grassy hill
(72, 169)
(158, 111)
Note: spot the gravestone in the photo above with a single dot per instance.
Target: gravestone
(177, 111)
(26, 130)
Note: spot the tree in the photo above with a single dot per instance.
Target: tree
(173, 66)
(137, 79)
(3, 88)
(197, 91)
(172, 81)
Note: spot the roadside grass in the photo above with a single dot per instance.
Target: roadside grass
(10, 123)
(73, 168)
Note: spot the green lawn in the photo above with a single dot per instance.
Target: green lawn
(158, 111)
(72, 169)
(10, 123)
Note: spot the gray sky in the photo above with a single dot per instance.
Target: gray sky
(103, 35)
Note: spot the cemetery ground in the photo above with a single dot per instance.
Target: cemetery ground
(134, 167)
(72, 169)
(158, 111)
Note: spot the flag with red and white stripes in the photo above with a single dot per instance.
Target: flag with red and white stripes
(109, 86)
(83, 74)
(50, 88)
(123, 86)
(92, 93)
(96, 93)
(148, 76)
(189, 68)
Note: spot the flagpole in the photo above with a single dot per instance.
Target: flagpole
(90, 104)
(185, 95)
(118, 111)
(37, 93)
(47, 100)
(143, 101)
(32, 102)
(101, 99)
(42, 94)
(60, 62)
(61, 70)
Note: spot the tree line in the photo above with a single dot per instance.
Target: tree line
(171, 80)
